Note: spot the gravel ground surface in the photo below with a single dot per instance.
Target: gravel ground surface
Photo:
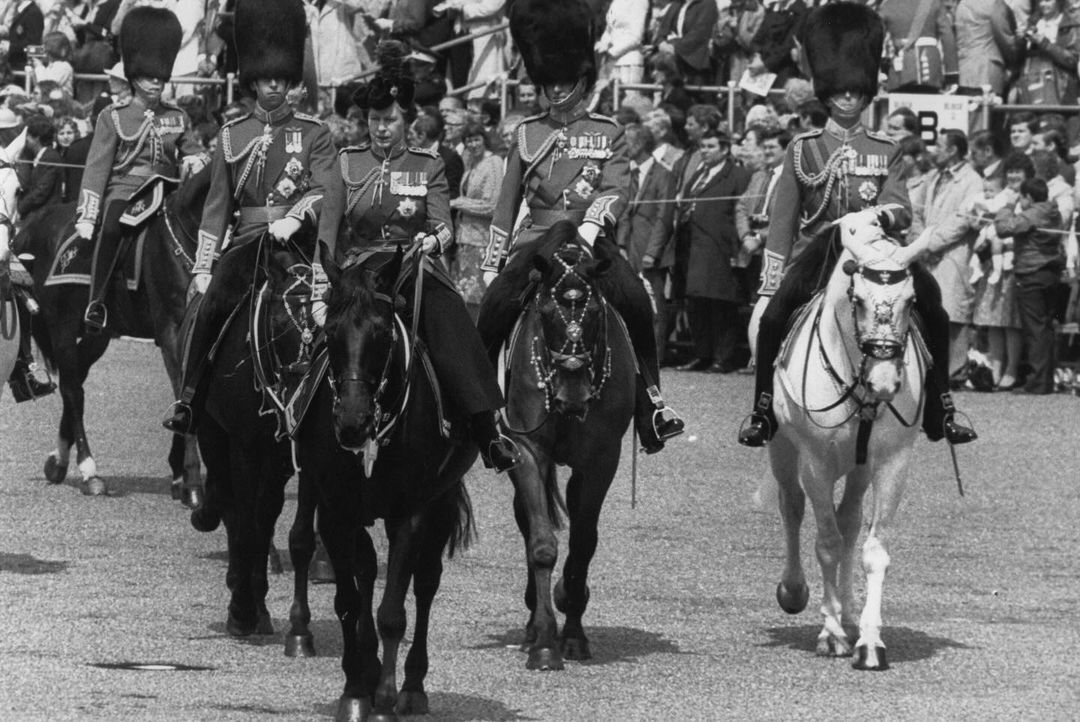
(980, 604)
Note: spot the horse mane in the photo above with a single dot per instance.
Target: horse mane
(351, 294)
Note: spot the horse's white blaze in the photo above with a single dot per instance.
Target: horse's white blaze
(815, 447)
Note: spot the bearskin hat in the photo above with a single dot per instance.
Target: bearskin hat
(149, 41)
(269, 37)
(391, 84)
(842, 44)
(556, 40)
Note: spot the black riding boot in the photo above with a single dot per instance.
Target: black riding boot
(105, 257)
(24, 384)
(939, 413)
(762, 424)
(498, 452)
(184, 411)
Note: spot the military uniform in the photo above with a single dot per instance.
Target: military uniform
(828, 173)
(397, 198)
(570, 167)
(268, 165)
(132, 144)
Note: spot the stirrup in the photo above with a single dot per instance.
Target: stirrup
(757, 429)
(96, 317)
(180, 421)
(510, 455)
(666, 423)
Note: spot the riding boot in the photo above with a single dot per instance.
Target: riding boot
(184, 416)
(24, 384)
(939, 413)
(762, 425)
(499, 452)
(109, 242)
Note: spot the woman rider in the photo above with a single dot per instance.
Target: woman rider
(395, 196)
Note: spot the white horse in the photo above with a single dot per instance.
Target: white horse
(849, 396)
(9, 318)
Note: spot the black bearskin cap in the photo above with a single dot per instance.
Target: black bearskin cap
(149, 41)
(269, 37)
(842, 43)
(391, 84)
(556, 40)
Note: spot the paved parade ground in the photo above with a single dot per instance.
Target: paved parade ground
(980, 604)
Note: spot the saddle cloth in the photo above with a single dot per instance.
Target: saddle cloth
(74, 258)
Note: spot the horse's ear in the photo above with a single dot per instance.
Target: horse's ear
(850, 267)
(541, 264)
(333, 270)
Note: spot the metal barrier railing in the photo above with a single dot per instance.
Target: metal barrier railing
(229, 81)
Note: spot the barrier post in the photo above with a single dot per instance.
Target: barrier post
(28, 84)
(731, 86)
(987, 101)
(230, 79)
(616, 91)
(504, 97)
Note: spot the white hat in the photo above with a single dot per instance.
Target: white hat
(117, 71)
(8, 118)
(11, 89)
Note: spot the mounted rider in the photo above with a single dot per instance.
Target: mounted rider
(829, 173)
(397, 196)
(569, 164)
(138, 146)
(274, 170)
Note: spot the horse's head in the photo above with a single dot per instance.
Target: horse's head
(360, 336)
(881, 291)
(570, 354)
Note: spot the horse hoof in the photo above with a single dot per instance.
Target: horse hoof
(352, 709)
(300, 645)
(321, 571)
(576, 649)
(55, 472)
(870, 658)
(176, 489)
(94, 486)
(205, 519)
(264, 626)
(192, 497)
(794, 600)
(830, 646)
(235, 628)
(411, 702)
(544, 659)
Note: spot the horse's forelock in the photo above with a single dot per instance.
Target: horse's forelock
(351, 294)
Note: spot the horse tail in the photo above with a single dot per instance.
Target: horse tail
(463, 531)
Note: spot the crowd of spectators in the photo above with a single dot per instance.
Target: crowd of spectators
(1002, 198)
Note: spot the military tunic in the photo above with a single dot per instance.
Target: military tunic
(268, 165)
(399, 197)
(574, 168)
(132, 143)
(392, 198)
(827, 173)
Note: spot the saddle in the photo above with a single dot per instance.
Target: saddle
(74, 258)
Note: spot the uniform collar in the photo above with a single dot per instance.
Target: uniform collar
(394, 152)
(566, 117)
(842, 134)
(272, 117)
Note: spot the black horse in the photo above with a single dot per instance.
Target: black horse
(378, 407)
(264, 303)
(569, 400)
(154, 311)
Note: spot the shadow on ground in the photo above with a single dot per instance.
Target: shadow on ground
(609, 645)
(450, 707)
(28, 564)
(904, 644)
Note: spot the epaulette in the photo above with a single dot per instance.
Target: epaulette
(118, 104)
(169, 104)
(308, 118)
(355, 148)
(878, 135)
(234, 121)
(424, 151)
(604, 118)
(539, 116)
(812, 133)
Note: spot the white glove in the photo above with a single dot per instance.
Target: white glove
(199, 284)
(318, 312)
(429, 244)
(489, 277)
(192, 164)
(755, 321)
(284, 228)
(589, 232)
(84, 230)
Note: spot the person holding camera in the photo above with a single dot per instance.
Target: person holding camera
(51, 62)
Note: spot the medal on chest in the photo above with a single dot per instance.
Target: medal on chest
(868, 191)
(294, 140)
(596, 146)
(408, 183)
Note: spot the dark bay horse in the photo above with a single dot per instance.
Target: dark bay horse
(153, 311)
(569, 400)
(372, 446)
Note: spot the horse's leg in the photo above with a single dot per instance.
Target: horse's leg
(889, 482)
(270, 499)
(819, 481)
(187, 484)
(521, 515)
(437, 526)
(849, 520)
(585, 494)
(792, 592)
(542, 548)
(390, 618)
(298, 640)
(76, 360)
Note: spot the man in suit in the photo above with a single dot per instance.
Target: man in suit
(45, 182)
(774, 41)
(752, 211)
(986, 44)
(707, 226)
(645, 231)
(26, 28)
(689, 39)
(426, 132)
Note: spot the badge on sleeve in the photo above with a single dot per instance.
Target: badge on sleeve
(294, 140)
